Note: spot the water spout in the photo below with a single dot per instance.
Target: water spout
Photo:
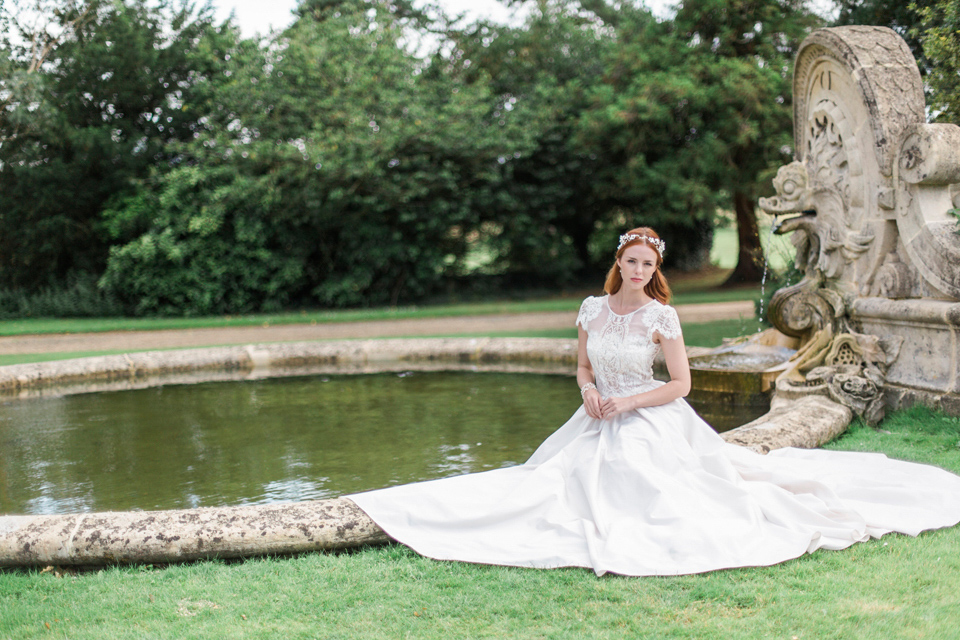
(775, 225)
(766, 264)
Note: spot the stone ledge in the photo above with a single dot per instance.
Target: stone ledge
(226, 532)
(250, 358)
(806, 423)
(933, 312)
(186, 534)
(899, 397)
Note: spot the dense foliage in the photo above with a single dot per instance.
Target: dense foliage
(153, 161)
(940, 29)
(697, 110)
(83, 125)
(334, 168)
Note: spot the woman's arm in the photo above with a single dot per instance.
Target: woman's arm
(585, 375)
(675, 353)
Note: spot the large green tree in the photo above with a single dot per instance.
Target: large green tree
(125, 80)
(939, 33)
(547, 209)
(697, 110)
(638, 125)
(743, 53)
(569, 199)
(335, 168)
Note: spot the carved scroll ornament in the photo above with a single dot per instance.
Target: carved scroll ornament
(848, 367)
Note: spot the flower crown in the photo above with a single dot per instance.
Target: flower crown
(656, 243)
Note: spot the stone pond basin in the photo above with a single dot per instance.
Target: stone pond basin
(283, 528)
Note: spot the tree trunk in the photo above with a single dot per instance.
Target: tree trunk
(750, 257)
(580, 234)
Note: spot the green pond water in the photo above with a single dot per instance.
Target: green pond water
(269, 440)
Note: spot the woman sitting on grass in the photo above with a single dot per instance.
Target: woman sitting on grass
(636, 483)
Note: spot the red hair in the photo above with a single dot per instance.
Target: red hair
(657, 288)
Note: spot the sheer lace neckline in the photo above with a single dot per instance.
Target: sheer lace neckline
(626, 315)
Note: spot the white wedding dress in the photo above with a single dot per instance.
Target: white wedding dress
(655, 491)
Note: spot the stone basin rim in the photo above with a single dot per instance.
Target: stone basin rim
(264, 360)
(282, 528)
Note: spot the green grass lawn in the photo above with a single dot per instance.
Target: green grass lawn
(687, 295)
(688, 289)
(895, 587)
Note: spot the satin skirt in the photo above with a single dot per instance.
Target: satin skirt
(656, 491)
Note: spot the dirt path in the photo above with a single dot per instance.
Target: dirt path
(182, 338)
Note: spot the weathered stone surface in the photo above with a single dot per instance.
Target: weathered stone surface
(928, 164)
(270, 359)
(189, 534)
(929, 359)
(884, 75)
(872, 184)
(126, 366)
(807, 423)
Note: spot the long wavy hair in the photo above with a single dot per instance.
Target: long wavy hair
(657, 288)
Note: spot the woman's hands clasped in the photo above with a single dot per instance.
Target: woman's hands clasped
(604, 408)
(610, 407)
(591, 403)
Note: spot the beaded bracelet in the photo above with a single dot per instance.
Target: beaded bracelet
(586, 388)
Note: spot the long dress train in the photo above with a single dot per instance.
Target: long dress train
(655, 491)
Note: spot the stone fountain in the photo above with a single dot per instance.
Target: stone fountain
(869, 198)
(875, 320)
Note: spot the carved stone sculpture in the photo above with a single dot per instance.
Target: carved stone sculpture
(868, 202)
(849, 368)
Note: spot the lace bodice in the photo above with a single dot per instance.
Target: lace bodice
(621, 347)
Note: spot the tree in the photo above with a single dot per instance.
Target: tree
(335, 168)
(698, 110)
(638, 125)
(29, 35)
(540, 72)
(939, 33)
(109, 92)
(570, 199)
(744, 54)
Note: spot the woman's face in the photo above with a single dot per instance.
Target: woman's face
(637, 265)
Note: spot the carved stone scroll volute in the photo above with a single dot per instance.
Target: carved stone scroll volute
(928, 169)
(805, 308)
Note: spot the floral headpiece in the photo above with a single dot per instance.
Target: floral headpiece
(656, 243)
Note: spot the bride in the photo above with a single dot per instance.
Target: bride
(636, 483)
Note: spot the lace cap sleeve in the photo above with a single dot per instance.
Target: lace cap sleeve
(589, 309)
(667, 324)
